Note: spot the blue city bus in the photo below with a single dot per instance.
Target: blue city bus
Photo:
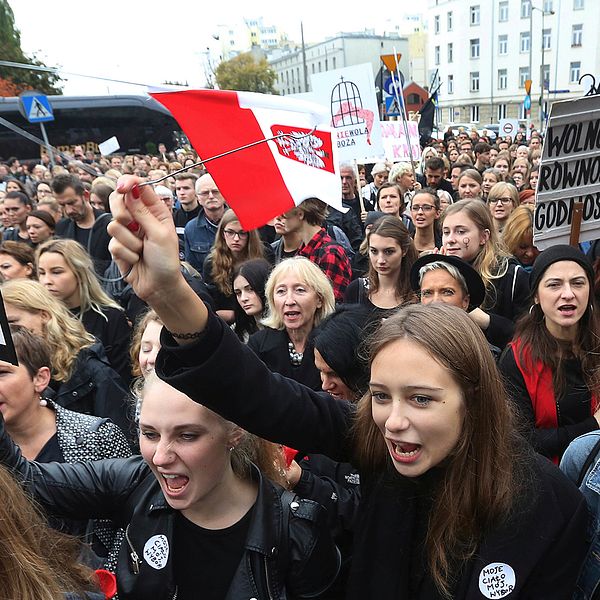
(140, 123)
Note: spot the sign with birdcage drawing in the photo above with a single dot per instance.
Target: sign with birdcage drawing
(350, 96)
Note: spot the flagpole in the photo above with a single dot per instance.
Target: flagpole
(403, 112)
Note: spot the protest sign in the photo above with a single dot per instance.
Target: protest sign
(569, 174)
(394, 140)
(349, 95)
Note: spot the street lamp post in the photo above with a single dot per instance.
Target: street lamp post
(542, 64)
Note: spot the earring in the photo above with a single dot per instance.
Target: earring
(43, 401)
(231, 448)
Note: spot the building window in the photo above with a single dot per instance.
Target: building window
(475, 48)
(319, 65)
(547, 39)
(451, 114)
(436, 55)
(574, 72)
(450, 52)
(502, 79)
(436, 24)
(501, 111)
(312, 66)
(451, 84)
(474, 79)
(576, 35)
(525, 9)
(548, 6)
(525, 41)
(449, 20)
(333, 61)
(578, 4)
(503, 45)
(523, 76)
(503, 11)
(546, 77)
(474, 15)
(474, 114)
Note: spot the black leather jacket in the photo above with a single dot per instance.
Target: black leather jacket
(279, 563)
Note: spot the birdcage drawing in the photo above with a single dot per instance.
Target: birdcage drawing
(346, 104)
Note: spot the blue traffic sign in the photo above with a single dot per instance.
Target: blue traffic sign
(392, 109)
(527, 102)
(37, 108)
(390, 85)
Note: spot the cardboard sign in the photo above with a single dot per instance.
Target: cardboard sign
(395, 144)
(569, 173)
(350, 96)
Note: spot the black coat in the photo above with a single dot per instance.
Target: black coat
(543, 544)
(303, 563)
(94, 389)
(98, 242)
(271, 346)
(512, 298)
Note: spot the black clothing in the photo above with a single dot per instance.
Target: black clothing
(97, 245)
(271, 346)
(220, 300)
(94, 389)
(298, 559)
(511, 293)
(51, 451)
(444, 184)
(543, 543)
(114, 332)
(573, 407)
(358, 293)
(348, 222)
(221, 551)
(360, 265)
(82, 235)
(12, 234)
(181, 218)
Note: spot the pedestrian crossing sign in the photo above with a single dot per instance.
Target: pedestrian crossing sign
(392, 109)
(37, 108)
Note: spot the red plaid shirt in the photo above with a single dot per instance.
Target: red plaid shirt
(332, 260)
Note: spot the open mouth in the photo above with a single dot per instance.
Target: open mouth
(567, 309)
(175, 483)
(405, 452)
(291, 314)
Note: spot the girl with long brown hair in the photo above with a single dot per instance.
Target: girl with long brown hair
(468, 232)
(391, 255)
(453, 505)
(232, 247)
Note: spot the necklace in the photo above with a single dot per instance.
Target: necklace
(295, 357)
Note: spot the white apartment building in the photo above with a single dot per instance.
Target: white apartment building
(486, 50)
(343, 50)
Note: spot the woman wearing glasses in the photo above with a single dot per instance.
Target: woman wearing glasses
(425, 212)
(232, 246)
(502, 200)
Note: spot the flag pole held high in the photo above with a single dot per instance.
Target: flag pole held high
(267, 179)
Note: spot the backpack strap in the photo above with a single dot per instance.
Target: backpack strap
(591, 458)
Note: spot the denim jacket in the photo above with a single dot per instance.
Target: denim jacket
(199, 238)
(588, 585)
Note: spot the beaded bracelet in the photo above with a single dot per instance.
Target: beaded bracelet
(187, 336)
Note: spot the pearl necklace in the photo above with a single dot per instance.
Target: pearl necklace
(295, 356)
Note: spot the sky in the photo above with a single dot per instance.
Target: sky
(154, 41)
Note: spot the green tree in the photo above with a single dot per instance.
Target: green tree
(246, 73)
(16, 79)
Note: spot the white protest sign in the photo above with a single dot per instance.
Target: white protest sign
(350, 96)
(508, 127)
(109, 146)
(569, 173)
(394, 140)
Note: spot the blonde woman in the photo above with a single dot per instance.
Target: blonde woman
(66, 270)
(299, 296)
(232, 247)
(468, 233)
(502, 200)
(82, 379)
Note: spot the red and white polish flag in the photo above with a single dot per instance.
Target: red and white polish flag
(268, 179)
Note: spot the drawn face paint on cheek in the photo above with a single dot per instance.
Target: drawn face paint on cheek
(466, 242)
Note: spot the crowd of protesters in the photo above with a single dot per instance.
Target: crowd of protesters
(336, 405)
